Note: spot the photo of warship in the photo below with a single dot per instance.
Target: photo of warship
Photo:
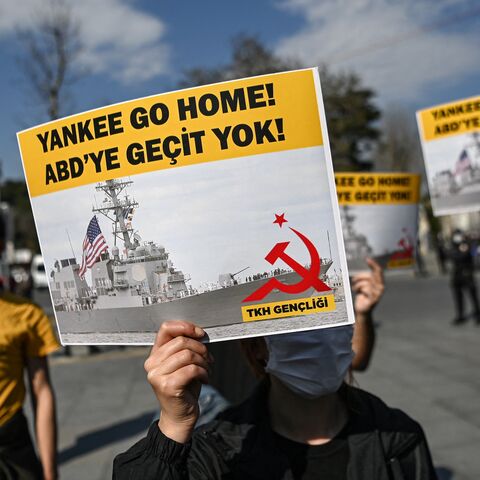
(135, 285)
(464, 176)
(357, 246)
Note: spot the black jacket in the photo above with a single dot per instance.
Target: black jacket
(463, 265)
(384, 444)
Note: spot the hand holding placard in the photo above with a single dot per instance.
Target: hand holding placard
(176, 368)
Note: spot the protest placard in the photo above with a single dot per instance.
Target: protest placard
(379, 214)
(214, 204)
(450, 136)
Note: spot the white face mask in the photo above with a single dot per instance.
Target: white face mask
(311, 364)
(457, 238)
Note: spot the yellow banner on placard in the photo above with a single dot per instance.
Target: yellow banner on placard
(377, 188)
(257, 115)
(449, 119)
(288, 308)
(401, 262)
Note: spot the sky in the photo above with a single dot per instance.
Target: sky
(413, 53)
(184, 209)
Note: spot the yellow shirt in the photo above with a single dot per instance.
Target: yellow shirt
(25, 331)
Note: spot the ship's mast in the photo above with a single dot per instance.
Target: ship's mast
(114, 208)
(349, 218)
(329, 246)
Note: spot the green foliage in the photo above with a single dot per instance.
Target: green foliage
(351, 116)
(249, 58)
(14, 192)
(351, 113)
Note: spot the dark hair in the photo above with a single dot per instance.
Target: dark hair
(251, 348)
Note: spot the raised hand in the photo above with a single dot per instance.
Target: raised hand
(368, 287)
(176, 368)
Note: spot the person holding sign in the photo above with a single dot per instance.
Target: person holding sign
(303, 421)
(463, 278)
(368, 288)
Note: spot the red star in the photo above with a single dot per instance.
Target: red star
(280, 219)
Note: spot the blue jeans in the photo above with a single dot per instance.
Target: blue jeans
(211, 403)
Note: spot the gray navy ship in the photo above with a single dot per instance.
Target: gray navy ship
(356, 244)
(135, 286)
(357, 247)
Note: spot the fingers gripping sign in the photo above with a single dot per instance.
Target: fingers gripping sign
(176, 368)
(368, 287)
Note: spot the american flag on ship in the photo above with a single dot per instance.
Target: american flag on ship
(463, 163)
(94, 245)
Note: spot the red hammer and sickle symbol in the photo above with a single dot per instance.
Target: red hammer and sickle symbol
(309, 277)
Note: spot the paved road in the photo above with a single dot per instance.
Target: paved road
(421, 364)
(430, 369)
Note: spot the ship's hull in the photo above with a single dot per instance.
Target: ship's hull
(220, 307)
(359, 264)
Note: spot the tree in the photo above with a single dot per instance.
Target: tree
(50, 49)
(249, 58)
(351, 113)
(14, 192)
(399, 148)
(351, 117)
